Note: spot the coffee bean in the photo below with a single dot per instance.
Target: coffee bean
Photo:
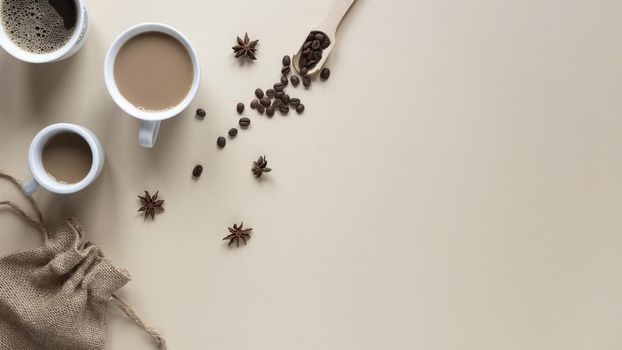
(317, 55)
(300, 108)
(277, 103)
(295, 80)
(258, 93)
(286, 61)
(302, 62)
(240, 107)
(265, 102)
(285, 99)
(221, 142)
(270, 93)
(279, 95)
(261, 109)
(325, 73)
(285, 71)
(294, 102)
(316, 45)
(284, 80)
(284, 109)
(197, 171)
(307, 53)
(306, 81)
(201, 112)
(278, 87)
(325, 44)
(254, 104)
(311, 64)
(245, 122)
(307, 45)
(310, 36)
(303, 71)
(233, 132)
(270, 111)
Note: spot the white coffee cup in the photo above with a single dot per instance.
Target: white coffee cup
(149, 120)
(77, 40)
(40, 176)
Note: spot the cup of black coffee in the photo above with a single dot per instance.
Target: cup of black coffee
(40, 31)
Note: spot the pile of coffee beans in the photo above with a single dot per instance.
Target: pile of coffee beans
(312, 51)
(276, 99)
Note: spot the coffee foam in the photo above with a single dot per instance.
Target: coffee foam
(35, 25)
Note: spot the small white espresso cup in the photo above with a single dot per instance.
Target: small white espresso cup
(77, 40)
(149, 120)
(40, 177)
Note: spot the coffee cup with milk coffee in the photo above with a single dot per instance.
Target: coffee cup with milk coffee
(64, 158)
(41, 31)
(152, 73)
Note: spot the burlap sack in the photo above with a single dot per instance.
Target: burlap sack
(55, 297)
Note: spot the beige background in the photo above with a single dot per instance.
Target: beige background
(456, 184)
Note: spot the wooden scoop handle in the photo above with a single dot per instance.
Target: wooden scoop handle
(336, 13)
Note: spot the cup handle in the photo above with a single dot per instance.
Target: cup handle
(148, 133)
(30, 187)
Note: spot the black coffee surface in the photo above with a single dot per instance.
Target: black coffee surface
(39, 26)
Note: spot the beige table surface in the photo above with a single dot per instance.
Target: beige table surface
(456, 184)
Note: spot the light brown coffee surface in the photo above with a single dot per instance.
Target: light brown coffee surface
(67, 158)
(153, 71)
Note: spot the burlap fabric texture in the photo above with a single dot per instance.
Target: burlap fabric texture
(55, 297)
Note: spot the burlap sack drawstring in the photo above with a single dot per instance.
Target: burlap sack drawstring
(37, 222)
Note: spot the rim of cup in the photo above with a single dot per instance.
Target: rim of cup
(120, 100)
(35, 158)
(30, 57)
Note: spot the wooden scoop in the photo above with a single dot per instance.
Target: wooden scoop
(329, 27)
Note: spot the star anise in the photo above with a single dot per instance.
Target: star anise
(237, 233)
(245, 48)
(151, 204)
(260, 167)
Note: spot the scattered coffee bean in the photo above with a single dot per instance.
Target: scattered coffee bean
(300, 108)
(285, 71)
(304, 70)
(279, 95)
(261, 109)
(201, 113)
(295, 80)
(270, 93)
(278, 87)
(294, 102)
(306, 81)
(259, 93)
(245, 122)
(254, 104)
(285, 99)
(284, 80)
(286, 61)
(221, 142)
(270, 111)
(197, 171)
(265, 102)
(284, 109)
(277, 103)
(240, 107)
(325, 73)
(233, 132)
